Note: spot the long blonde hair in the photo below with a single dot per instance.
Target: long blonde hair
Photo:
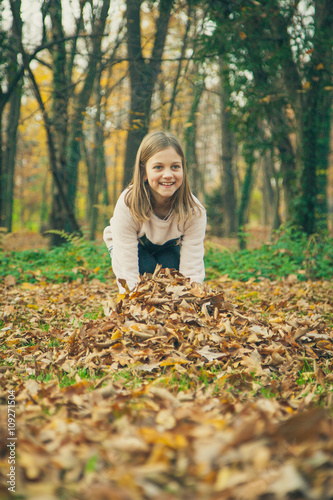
(139, 198)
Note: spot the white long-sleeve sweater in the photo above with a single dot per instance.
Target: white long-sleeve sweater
(122, 235)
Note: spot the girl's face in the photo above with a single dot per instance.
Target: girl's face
(164, 173)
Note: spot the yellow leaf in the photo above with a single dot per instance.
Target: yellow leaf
(116, 335)
(119, 345)
(13, 342)
(223, 477)
(171, 362)
(242, 35)
(277, 320)
(219, 423)
(120, 296)
(254, 293)
(28, 286)
(170, 439)
(320, 66)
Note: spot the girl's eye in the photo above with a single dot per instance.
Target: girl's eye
(158, 167)
(176, 167)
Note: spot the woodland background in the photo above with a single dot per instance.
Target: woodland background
(246, 85)
(176, 391)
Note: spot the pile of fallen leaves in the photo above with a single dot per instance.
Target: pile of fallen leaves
(219, 391)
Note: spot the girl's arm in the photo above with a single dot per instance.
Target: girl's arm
(192, 248)
(122, 237)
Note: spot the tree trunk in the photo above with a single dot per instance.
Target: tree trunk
(43, 221)
(276, 221)
(10, 153)
(271, 195)
(190, 138)
(323, 152)
(70, 135)
(13, 98)
(96, 165)
(82, 101)
(267, 189)
(2, 179)
(58, 179)
(288, 168)
(64, 206)
(228, 179)
(179, 67)
(60, 99)
(306, 216)
(245, 198)
(311, 115)
(143, 76)
(316, 122)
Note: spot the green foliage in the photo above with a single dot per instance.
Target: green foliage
(77, 258)
(292, 253)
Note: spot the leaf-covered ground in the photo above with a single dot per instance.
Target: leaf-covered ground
(220, 391)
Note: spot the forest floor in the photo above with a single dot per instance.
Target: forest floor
(216, 392)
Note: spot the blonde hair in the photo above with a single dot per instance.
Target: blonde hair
(139, 198)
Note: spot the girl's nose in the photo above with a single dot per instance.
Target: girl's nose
(167, 173)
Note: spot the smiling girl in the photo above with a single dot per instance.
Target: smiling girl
(157, 220)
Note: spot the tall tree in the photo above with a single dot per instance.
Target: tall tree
(190, 133)
(306, 87)
(55, 163)
(143, 73)
(177, 77)
(68, 135)
(95, 161)
(281, 55)
(230, 223)
(11, 81)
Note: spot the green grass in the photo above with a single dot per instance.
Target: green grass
(307, 376)
(91, 465)
(291, 253)
(66, 379)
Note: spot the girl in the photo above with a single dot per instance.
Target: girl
(157, 220)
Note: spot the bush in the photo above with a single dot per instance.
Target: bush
(78, 258)
(292, 252)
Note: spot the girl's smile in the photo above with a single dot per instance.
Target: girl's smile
(164, 173)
